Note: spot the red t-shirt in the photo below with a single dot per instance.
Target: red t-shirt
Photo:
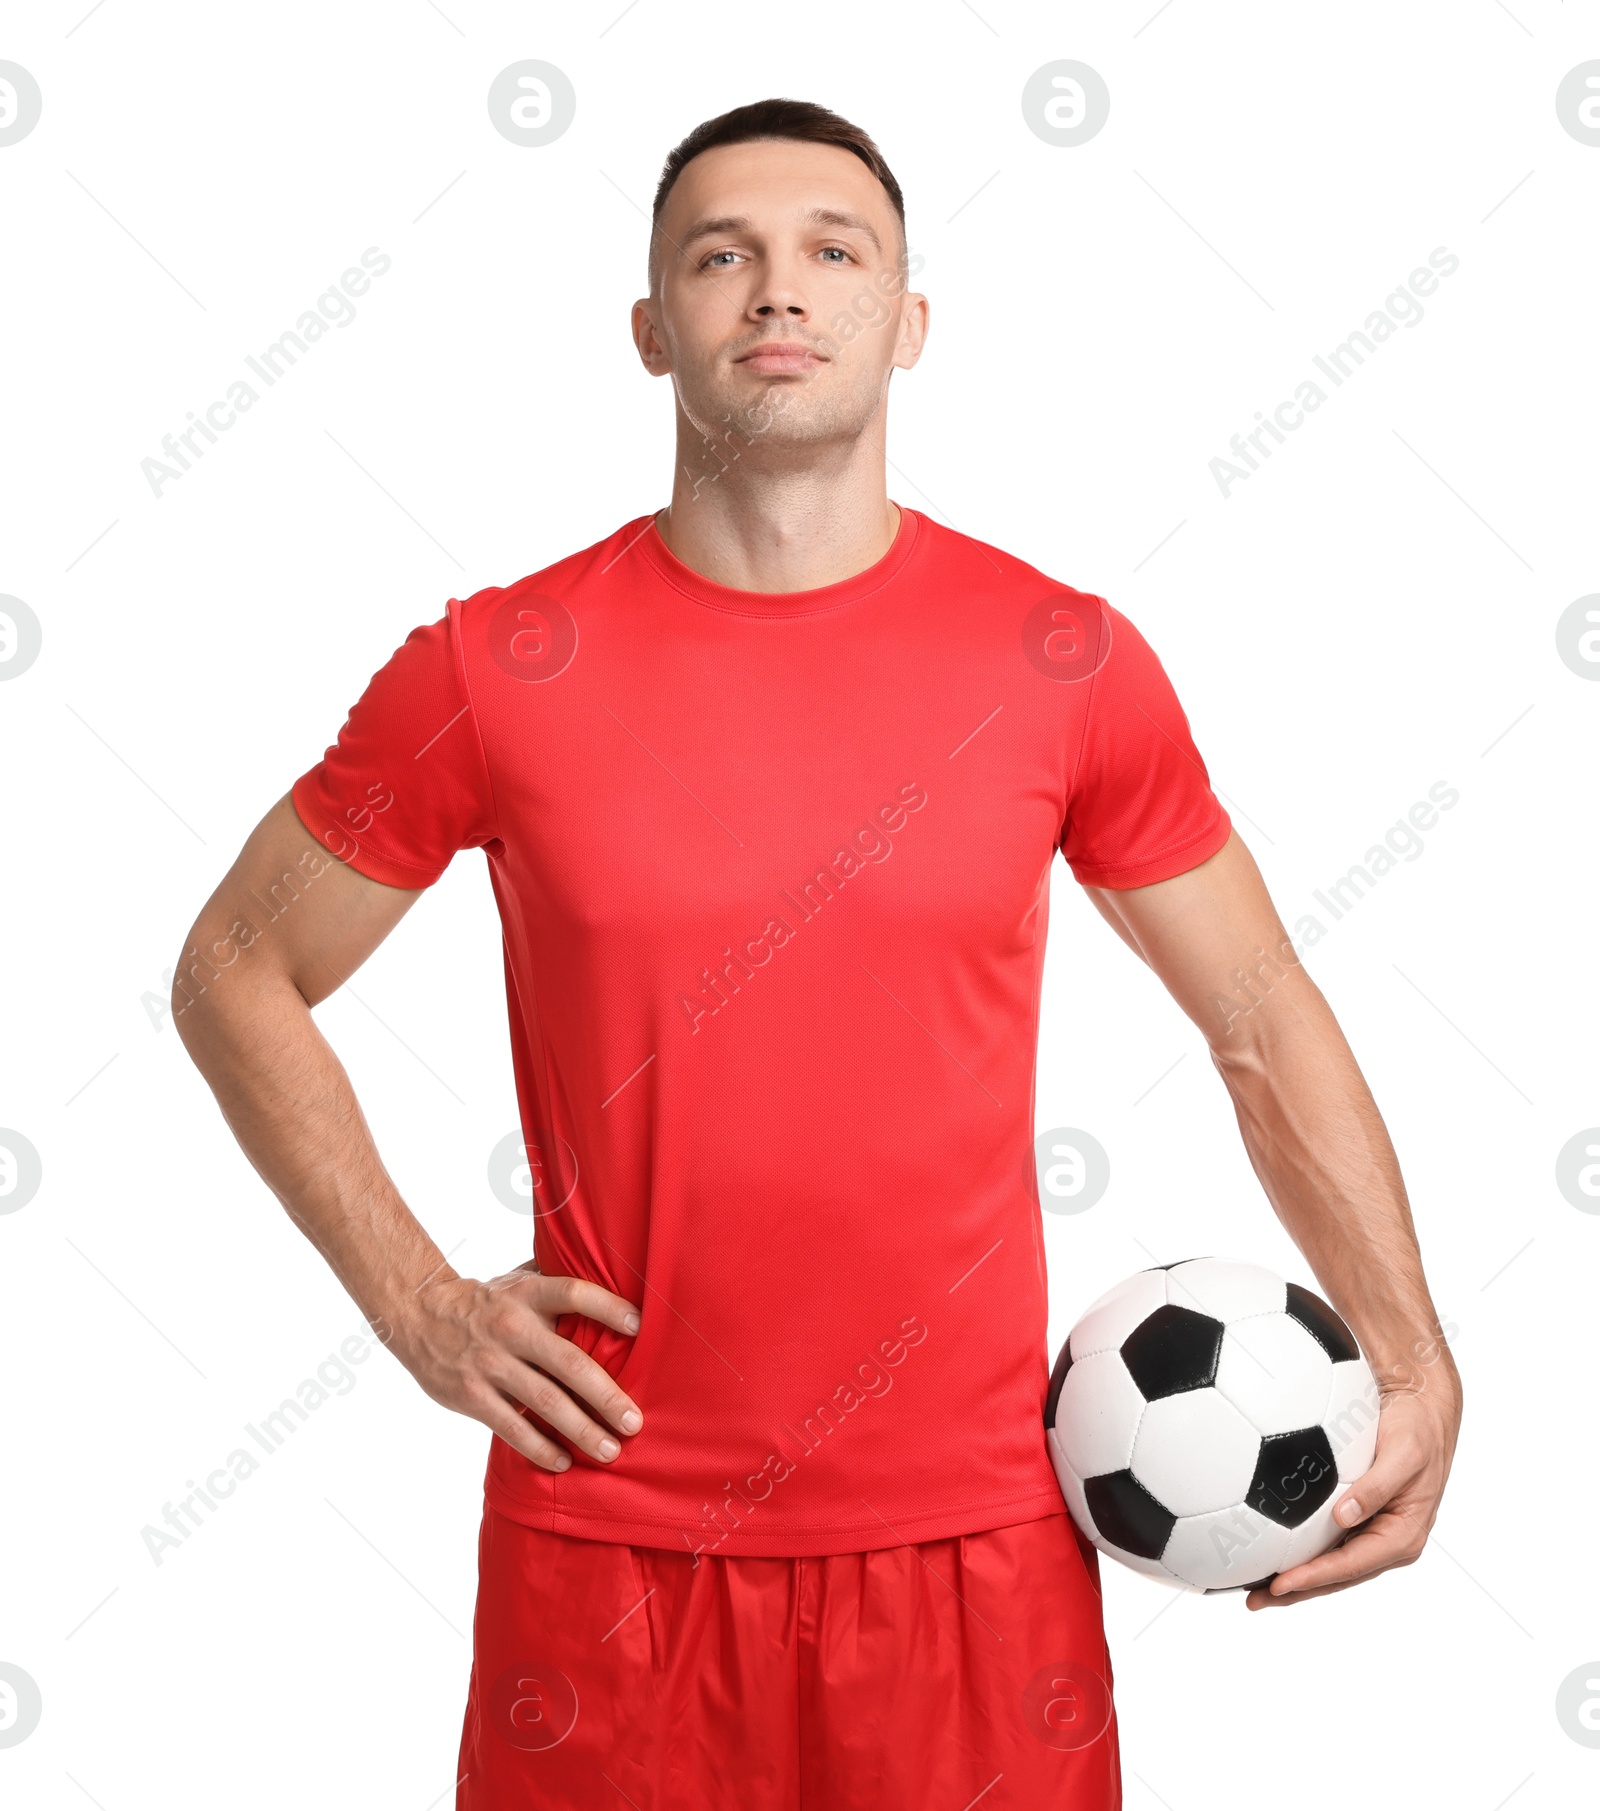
(773, 872)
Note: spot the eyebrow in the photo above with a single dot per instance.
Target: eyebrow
(740, 223)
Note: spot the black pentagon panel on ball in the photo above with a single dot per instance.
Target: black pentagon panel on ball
(1173, 1265)
(1172, 1350)
(1295, 1476)
(1320, 1321)
(1127, 1515)
(1057, 1377)
(1259, 1584)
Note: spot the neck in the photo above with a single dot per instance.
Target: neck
(785, 519)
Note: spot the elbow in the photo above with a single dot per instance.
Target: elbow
(1237, 1058)
(1247, 1045)
(192, 979)
(223, 986)
(1253, 1032)
(200, 979)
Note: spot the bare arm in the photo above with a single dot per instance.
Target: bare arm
(289, 924)
(1321, 1151)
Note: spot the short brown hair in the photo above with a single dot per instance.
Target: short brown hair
(802, 120)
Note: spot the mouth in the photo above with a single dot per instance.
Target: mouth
(779, 356)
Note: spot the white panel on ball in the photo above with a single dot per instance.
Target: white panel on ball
(1274, 1373)
(1228, 1547)
(1098, 1414)
(1071, 1486)
(1225, 1290)
(1351, 1417)
(1195, 1452)
(1110, 1320)
(1315, 1535)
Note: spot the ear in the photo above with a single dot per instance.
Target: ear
(647, 337)
(914, 322)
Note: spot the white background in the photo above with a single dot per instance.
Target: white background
(1372, 612)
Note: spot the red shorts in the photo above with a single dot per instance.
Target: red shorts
(924, 1676)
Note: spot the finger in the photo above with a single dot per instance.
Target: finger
(577, 1295)
(501, 1415)
(584, 1378)
(1264, 1600)
(551, 1403)
(1399, 1459)
(1392, 1538)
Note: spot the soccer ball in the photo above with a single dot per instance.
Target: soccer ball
(1204, 1417)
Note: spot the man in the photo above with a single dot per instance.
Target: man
(769, 783)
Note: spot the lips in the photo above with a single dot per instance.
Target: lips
(780, 356)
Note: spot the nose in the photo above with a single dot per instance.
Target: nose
(779, 293)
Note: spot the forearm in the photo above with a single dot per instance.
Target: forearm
(1321, 1152)
(1323, 1155)
(288, 1101)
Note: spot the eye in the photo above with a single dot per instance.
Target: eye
(836, 254)
(714, 262)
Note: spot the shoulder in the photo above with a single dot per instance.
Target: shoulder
(1066, 633)
(997, 572)
(563, 578)
(529, 628)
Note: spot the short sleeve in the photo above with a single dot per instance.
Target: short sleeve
(405, 785)
(1139, 802)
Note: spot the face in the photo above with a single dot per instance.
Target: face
(779, 303)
